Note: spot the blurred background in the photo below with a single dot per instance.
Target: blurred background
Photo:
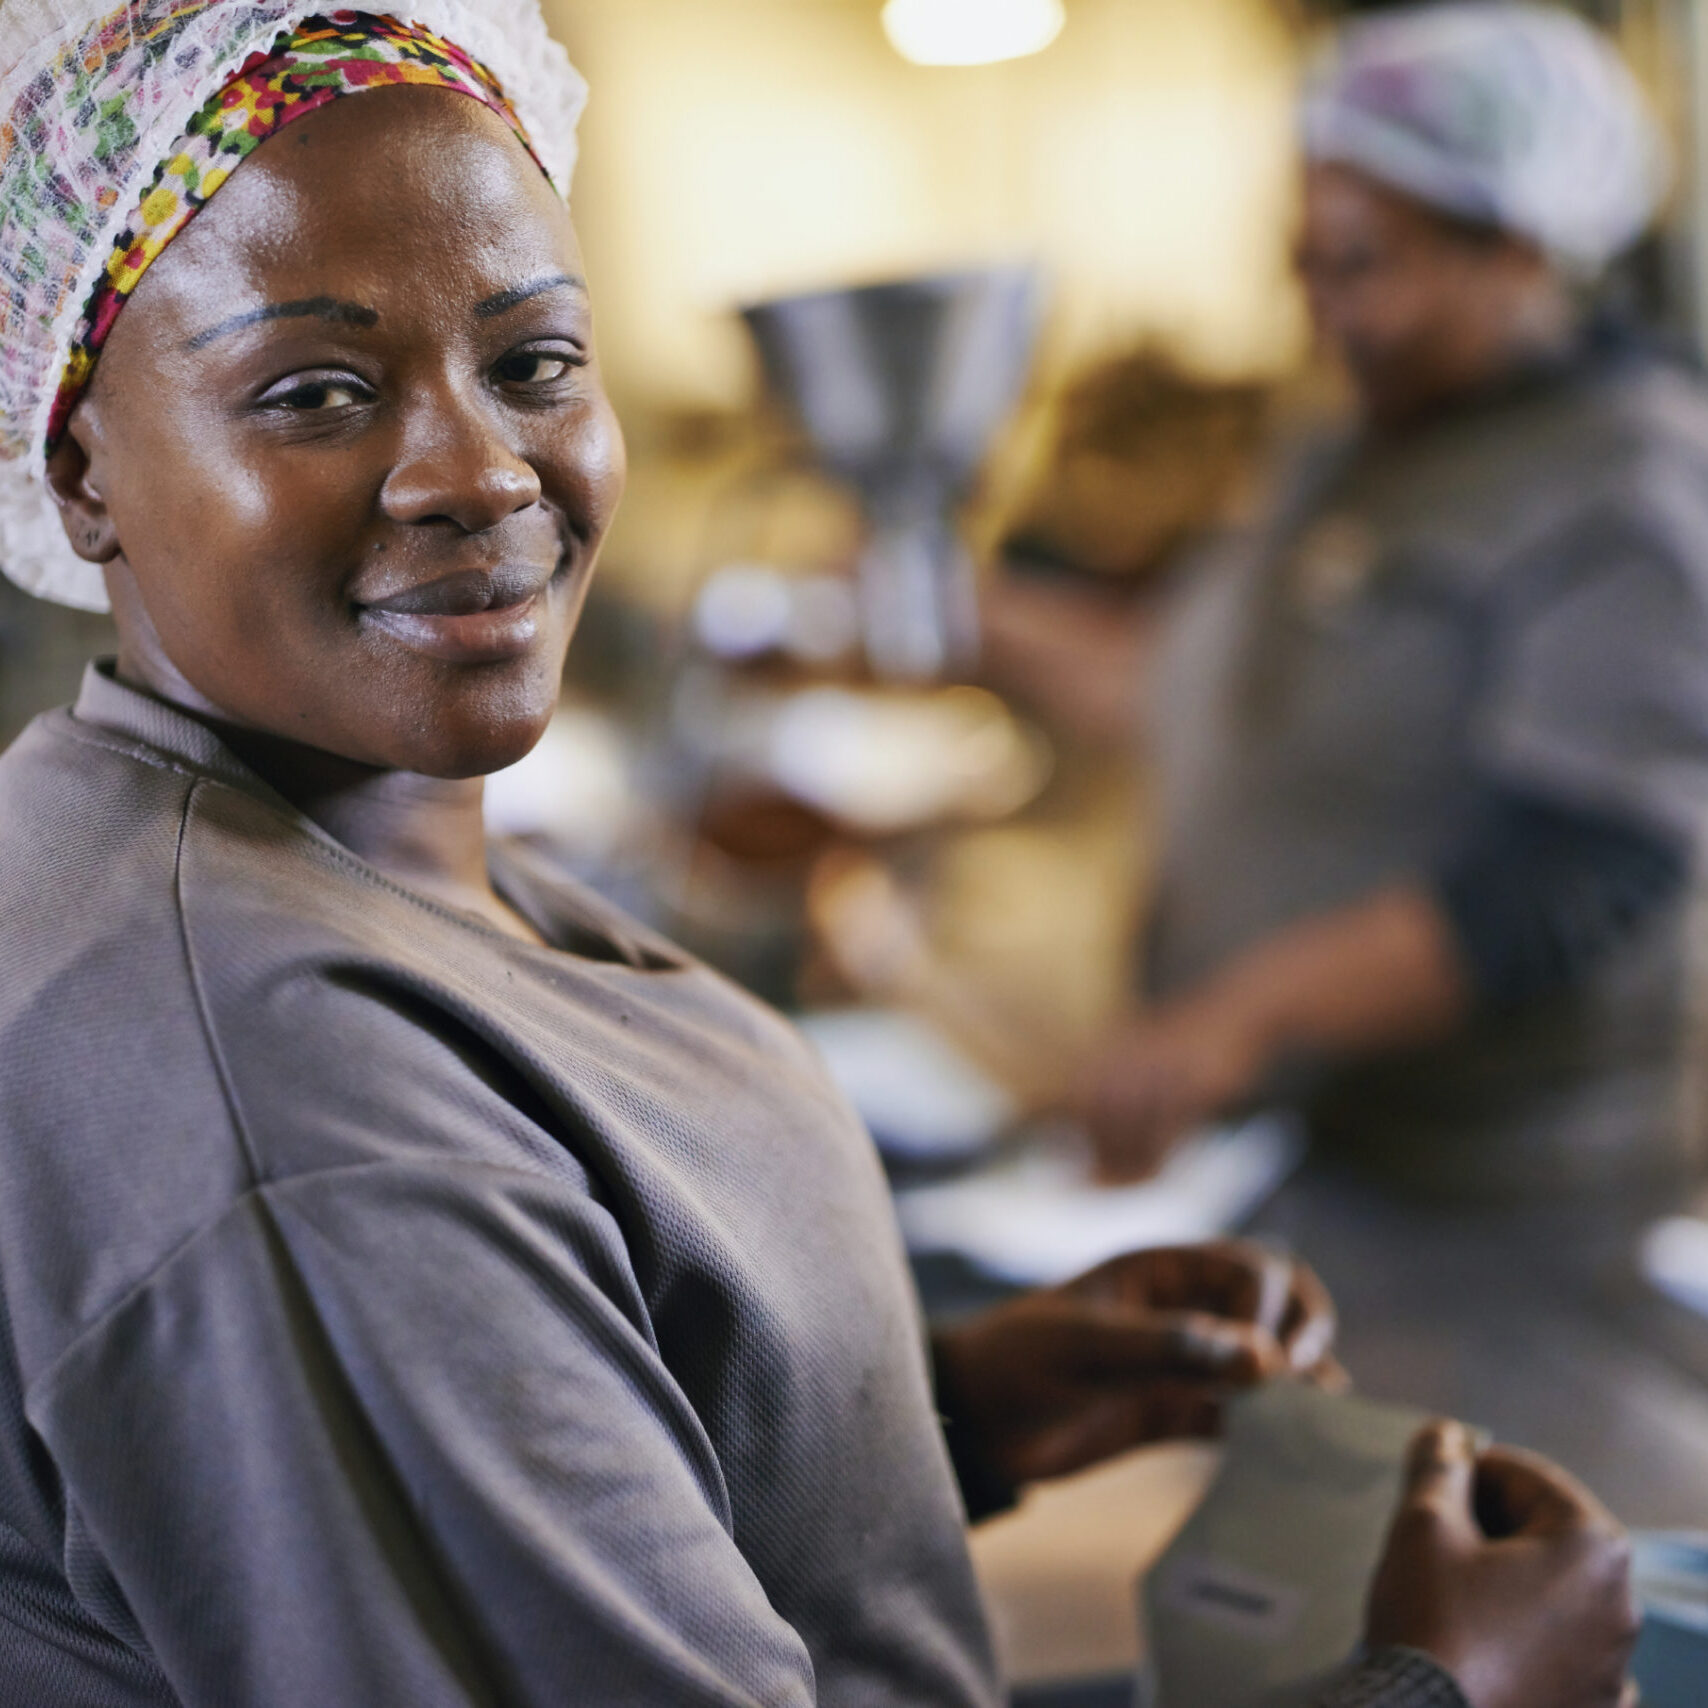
(837, 815)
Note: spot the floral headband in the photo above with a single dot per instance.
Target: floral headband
(321, 60)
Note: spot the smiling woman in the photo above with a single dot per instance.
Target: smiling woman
(380, 385)
(418, 1284)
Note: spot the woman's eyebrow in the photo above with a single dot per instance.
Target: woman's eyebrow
(504, 301)
(319, 308)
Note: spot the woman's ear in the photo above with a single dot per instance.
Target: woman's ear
(88, 523)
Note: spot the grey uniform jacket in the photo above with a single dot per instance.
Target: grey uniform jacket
(1515, 597)
(395, 1313)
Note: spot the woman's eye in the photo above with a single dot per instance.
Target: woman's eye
(534, 367)
(309, 396)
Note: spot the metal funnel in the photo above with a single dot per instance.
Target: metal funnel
(900, 387)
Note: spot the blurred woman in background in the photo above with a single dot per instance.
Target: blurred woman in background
(1434, 744)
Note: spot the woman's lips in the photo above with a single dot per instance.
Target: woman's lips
(481, 637)
(475, 617)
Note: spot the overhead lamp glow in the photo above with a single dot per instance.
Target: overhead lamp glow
(971, 32)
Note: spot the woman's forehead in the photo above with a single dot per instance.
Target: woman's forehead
(398, 191)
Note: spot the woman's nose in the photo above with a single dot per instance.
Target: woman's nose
(457, 466)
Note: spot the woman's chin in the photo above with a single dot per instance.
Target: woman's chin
(494, 748)
(484, 719)
(454, 736)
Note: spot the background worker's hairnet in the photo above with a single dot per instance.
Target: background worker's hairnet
(1513, 115)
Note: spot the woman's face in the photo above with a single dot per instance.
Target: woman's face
(346, 454)
(1419, 311)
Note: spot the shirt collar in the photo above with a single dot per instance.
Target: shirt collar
(567, 917)
(106, 703)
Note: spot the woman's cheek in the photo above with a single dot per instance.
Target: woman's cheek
(588, 464)
(304, 518)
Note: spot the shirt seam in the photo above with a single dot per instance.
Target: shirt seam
(353, 863)
(257, 1192)
(204, 1016)
(86, 736)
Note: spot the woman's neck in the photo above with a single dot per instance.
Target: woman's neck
(1475, 361)
(426, 832)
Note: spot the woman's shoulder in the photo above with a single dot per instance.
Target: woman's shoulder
(1631, 477)
(108, 842)
(1639, 409)
(1612, 453)
(115, 1140)
(89, 835)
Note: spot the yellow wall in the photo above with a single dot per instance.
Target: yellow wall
(738, 148)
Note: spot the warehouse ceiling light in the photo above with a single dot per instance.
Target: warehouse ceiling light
(971, 32)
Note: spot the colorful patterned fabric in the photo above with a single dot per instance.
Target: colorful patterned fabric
(321, 60)
(1510, 114)
(342, 53)
(111, 137)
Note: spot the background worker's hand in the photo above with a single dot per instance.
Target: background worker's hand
(1511, 1574)
(1144, 1348)
(1385, 973)
(1160, 1075)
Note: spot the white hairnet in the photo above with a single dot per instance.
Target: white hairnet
(68, 185)
(1518, 115)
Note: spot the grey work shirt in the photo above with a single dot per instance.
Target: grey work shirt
(396, 1313)
(1516, 596)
